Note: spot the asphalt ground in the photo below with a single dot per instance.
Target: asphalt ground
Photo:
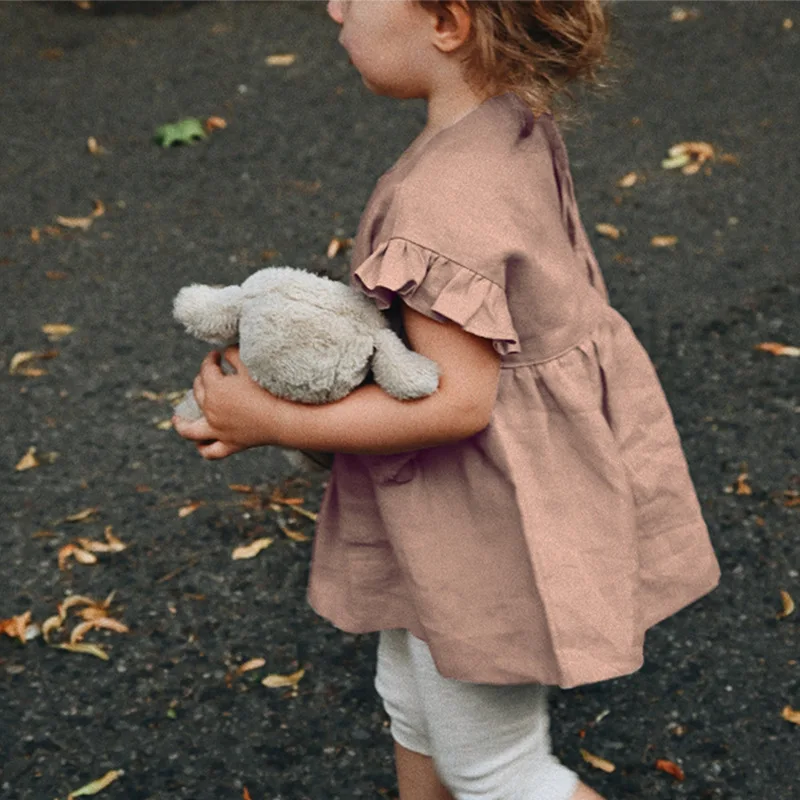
(303, 147)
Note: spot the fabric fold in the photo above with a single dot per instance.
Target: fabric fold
(439, 288)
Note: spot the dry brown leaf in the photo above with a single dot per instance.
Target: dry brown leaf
(605, 229)
(28, 461)
(84, 647)
(670, 767)
(97, 786)
(251, 550)
(51, 624)
(742, 486)
(278, 681)
(282, 60)
(78, 553)
(246, 794)
(337, 245)
(107, 623)
(19, 360)
(111, 545)
(681, 14)
(778, 349)
(84, 223)
(83, 515)
(190, 508)
(253, 663)
(689, 156)
(57, 330)
(55, 275)
(240, 487)
(787, 24)
(788, 605)
(92, 612)
(308, 514)
(35, 235)
(215, 123)
(791, 715)
(626, 181)
(596, 761)
(75, 600)
(16, 626)
(295, 536)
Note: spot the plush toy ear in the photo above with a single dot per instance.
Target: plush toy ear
(209, 313)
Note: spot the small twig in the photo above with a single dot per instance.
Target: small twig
(177, 571)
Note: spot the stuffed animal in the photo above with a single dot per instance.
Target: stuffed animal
(303, 337)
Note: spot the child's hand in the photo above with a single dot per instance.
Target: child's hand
(237, 412)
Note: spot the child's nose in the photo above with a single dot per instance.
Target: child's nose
(335, 10)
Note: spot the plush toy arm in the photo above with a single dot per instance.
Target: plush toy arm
(209, 313)
(401, 372)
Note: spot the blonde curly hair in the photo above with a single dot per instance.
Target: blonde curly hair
(536, 48)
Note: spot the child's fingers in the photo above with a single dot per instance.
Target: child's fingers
(234, 359)
(196, 431)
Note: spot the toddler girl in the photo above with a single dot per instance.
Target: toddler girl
(525, 525)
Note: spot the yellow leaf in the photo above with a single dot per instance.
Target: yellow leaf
(791, 715)
(80, 516)
(308, 514)
(252, 549)
(18, 361)
(664, 241)
(57, 331)
(788, 605)
(81, 555)
(604, 229)
(277, 681)
(253, 663)
(28, 461)
(97, 786)
(164, 425)
(284, 60)
(83, 647)
(598, 762)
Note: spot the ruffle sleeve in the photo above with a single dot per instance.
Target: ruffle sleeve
(438, 288)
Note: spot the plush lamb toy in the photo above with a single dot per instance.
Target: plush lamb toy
(303, 337)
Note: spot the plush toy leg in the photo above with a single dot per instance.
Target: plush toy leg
(401, 372)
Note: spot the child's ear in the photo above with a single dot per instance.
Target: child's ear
(209, 313)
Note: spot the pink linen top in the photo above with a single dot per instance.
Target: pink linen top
(541, 549)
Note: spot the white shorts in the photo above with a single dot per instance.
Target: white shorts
(488, 742)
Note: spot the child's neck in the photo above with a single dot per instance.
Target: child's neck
(445, 109)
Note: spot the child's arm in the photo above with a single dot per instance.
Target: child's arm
(240, 414)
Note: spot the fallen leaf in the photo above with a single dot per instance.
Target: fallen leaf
(111, 545)
(596, 761)
(240, 487)
(670, 767)
(282, 60)
(97, 786)
(788, 605)
(791, 715)
(604, 229)
(664, 241)
(336, 245)
(94, 147)
(252, 549)
(82, 516)
(190, 509)
(81, 555)
(83, 647)
(295, 536)
(278, 681)
(787, 24)
(778, 349)
(107, 623)
(246, 794)
(55, 275)
(51, 624)
(16, 626)
(28, 461)
(56, 331)
(84, 223)
(185, 131)
(253, 663)
(215, 123)
(681, 14)
(626, 181)
(19, 360)
(308, 514)
(164, 425)
(75, 600)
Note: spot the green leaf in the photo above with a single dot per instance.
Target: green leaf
(186, 131)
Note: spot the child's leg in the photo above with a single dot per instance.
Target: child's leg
(490, 742)
(416, 777)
